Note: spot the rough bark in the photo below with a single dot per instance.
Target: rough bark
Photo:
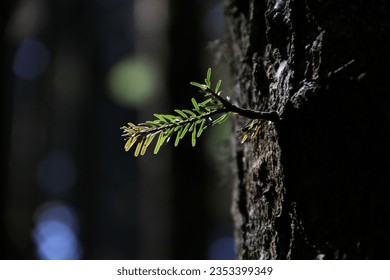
(315, 184)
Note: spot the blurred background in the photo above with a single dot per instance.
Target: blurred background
(72, 73)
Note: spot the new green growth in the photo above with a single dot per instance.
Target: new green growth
(212, 109)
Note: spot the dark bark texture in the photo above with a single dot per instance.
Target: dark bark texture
(316, 184)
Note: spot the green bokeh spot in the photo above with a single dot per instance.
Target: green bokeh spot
(132, 81)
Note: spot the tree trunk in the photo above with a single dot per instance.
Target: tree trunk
(315, 184)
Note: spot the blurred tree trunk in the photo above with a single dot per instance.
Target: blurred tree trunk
(315, 184)
(7, 248)
(190, 219)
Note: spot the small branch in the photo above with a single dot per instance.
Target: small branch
(150, 129)
(247, 113)
(340, 69)
(272, 116)
(193, 121)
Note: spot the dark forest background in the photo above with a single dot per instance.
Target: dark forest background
(72, 73)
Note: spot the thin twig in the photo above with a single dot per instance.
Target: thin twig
(247, 113)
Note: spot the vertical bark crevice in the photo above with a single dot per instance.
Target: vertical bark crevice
(240, 211)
